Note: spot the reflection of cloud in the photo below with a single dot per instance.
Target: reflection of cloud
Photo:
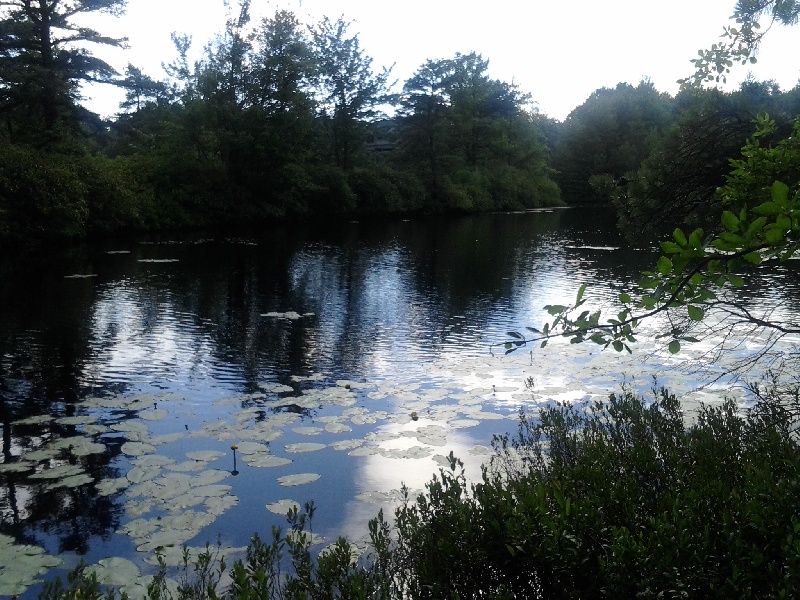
(141, 338)
(379, 473)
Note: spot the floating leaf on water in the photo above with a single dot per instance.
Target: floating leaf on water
(441, 460)
(188, 466)
(106, 487)
(298, 479)
(139, 528)
(137, 448)
(153, 460)
(413, 452)
(312, 377)
(308, 430)
(115, 571)
(153, 414)
(86, 447)
(346, 444)
(483, 415)
(338, 428)
(184, 501)
(432, 439)
(375, 497)
(36, 420)
(252, 448)
(219, 504)
(265, 433)
(94, 429)
(209, 477)
(73, 481)
(364, 451)
(267, 460)
(304, 447)
(58, 472)
(275, 388)
(17, 467)
(209, 491)
(282, 507)
(479, 451)
(131, 427)
(167, 438)
(290, 315)
(134, 508)
(463, 423)
(162, 539)
(80, 420)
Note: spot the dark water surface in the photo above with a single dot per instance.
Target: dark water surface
(360, 352)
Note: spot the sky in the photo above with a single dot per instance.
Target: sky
(559, 52)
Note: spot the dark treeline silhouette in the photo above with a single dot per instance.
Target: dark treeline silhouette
(279, 119)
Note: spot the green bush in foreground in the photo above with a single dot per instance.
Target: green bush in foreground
(618, 499)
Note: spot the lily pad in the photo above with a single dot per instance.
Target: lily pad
(205, 455)
(137, 448)
(282, 507)
(304, 447)
(298, 479)
(267, 460)
(115, 571)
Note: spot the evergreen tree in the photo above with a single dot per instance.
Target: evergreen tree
(43, 58)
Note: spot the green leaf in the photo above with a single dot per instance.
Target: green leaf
(695, 313)
(664, 265)
(674, 346)
(671, 248)
(618, 346)
(543, 344)
(679, 237)
(554, 309)
(768, 209)
(756, 226)
(730, 221)
(753, 258)
(514, 334)
(696, 239)
(625, 298)
(736, 281)
(774, 235)
(581, 291)
(780, 193)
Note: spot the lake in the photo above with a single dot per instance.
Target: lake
(341, 359)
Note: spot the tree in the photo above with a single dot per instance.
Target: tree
(44, 55)
(141, 90)
(607, 137)
(348, 92)
(473, 138)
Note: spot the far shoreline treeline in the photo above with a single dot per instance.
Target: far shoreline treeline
(278, 120)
